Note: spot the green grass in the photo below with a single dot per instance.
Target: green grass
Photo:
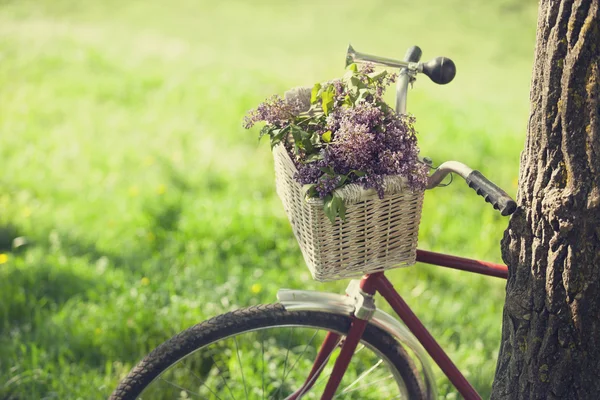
(147, 208)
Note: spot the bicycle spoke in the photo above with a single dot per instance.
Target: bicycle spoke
(287, 353)
(237, 349)
(362, 376)
(368, 385)
(222, 377)
(192, 372)
(300, 356)
(326, 379)
(359, 348)
(186, 390)
(318, 372)
(262, 347)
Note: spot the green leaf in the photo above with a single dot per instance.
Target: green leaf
(334, 206)
(356, 83)
(308, 146)
(342, 210)
(358, 173)
(348, 102)
(276, 137)
(327, 98)
(302, 139)
(363, 94)
(326, 137)
(297, 135)
(297, 149)
(328, 208)
(314, 157)
(315, 139)
(353, 67)
(347, 76)
(310, 190)
(264, 131)
(314, 95)
(377, 75)
(328, 170)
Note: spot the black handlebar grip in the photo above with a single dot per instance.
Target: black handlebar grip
(413, 54)
(491, 193)
(441, 70)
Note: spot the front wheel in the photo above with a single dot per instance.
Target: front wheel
(266, 352)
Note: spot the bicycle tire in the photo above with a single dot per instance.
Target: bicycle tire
(258, 318)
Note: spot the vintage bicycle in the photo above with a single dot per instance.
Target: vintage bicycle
(322, 345)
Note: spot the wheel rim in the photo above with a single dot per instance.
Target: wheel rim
(272, 363)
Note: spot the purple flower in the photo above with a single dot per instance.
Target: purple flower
(327, 184)
(309, 173)
(275, 111)
(366, 140)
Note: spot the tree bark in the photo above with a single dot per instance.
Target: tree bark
(551, 324)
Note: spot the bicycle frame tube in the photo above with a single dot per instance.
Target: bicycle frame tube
(463, 264)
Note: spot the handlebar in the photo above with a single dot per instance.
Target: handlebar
(493, 194)
(413, 54)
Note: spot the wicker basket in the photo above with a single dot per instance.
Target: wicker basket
(378, 234)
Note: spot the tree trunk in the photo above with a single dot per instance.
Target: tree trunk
(551, 324)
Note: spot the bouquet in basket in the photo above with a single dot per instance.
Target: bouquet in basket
(342, 132)
(340, 150)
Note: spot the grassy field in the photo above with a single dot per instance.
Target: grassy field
(140, 206)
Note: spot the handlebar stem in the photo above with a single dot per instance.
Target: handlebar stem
(407, 75)
(401, 91)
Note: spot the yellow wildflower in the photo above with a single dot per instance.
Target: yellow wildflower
(256, 288)
(3, 258)
(145, 281)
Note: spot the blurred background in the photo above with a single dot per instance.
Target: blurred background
(133, 204)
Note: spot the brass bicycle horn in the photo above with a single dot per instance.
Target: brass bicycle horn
(440, 70)
(353, 56)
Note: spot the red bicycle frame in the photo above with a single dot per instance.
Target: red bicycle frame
(378, 283)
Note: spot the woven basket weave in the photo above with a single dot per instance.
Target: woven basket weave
(378, 234)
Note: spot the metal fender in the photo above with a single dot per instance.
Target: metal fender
(307, 300)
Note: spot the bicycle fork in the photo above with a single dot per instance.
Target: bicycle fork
(365, 307)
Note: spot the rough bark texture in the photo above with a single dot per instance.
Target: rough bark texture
(551, 328)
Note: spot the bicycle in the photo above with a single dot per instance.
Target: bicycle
(290, 343)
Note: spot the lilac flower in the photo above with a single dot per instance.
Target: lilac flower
(366, 68)
(327, 184)
(309, 173)
(275, 111)
(366, 139)
(377, 142)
